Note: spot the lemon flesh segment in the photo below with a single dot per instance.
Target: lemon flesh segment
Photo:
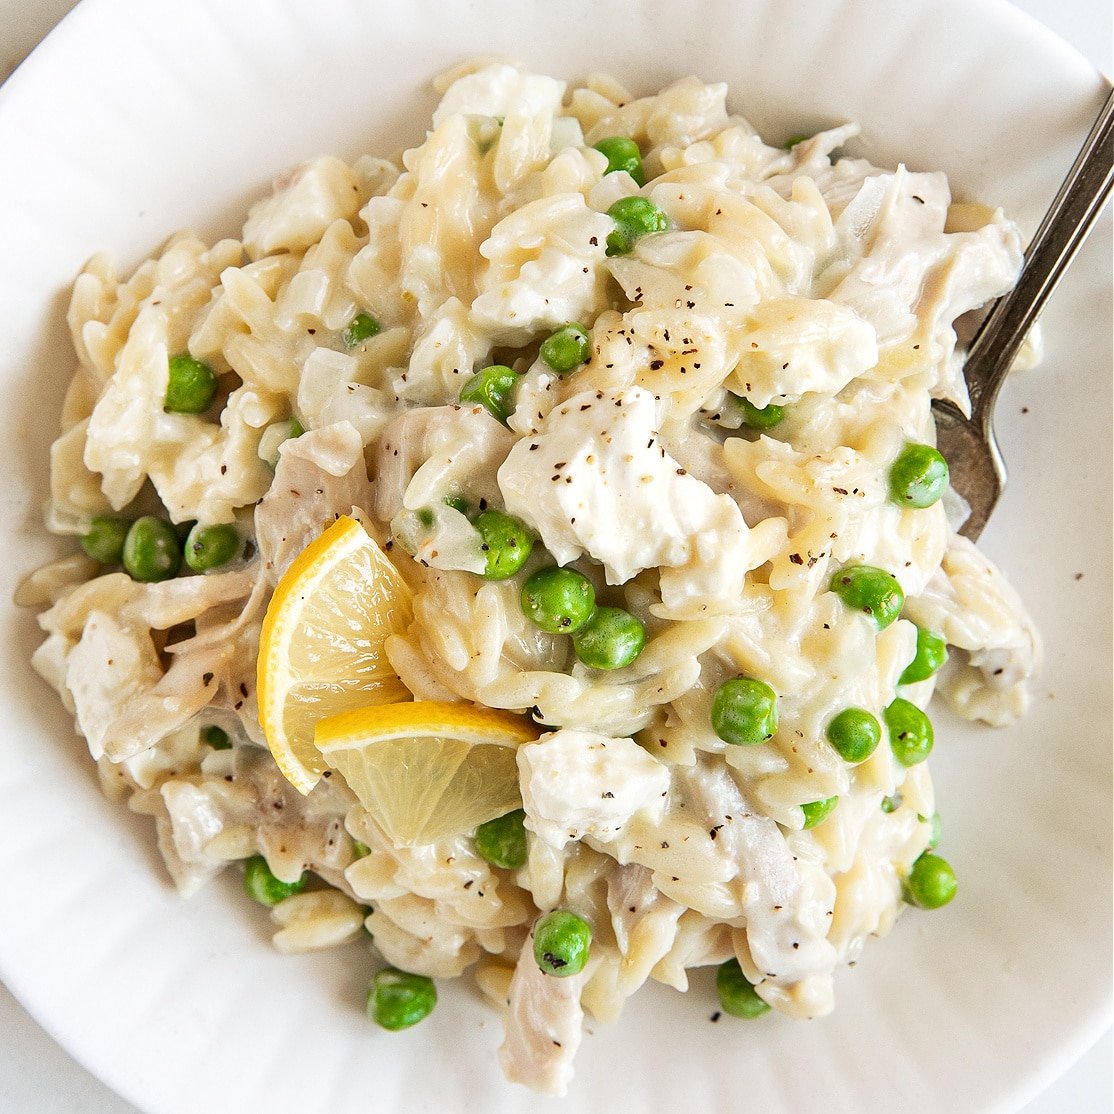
(428, 771)
(321, 649)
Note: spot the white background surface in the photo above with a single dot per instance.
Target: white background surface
(38, 1077)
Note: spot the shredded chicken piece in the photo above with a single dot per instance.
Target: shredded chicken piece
(543, 1026)
(780, 891)
(320, 476)
(996, 647)
(644, 921)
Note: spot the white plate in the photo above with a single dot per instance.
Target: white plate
(136, 118)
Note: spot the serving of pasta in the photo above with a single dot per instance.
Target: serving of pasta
(532, 552)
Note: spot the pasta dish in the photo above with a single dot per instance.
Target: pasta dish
(532, 551)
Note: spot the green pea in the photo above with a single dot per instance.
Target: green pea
(854, 733)
(910, 732)
(362, 327)
(765, 417)
(397, 999)
(560, 601)
(891, 804)
(562, 941)
(932, 652)
(215, 737)
(736, 995)
(493, 387)
(502, 841)
(264, 887)
(567, 348)
(151, 550)
(633, 217)
(104, 541)
(918, 476)
(506, 543)
(931, 883)
(457, 502)
(191, 385)
(744, 712)
(425, 517)
(611, 639)
(360, 850)
(816, 812)
(622, 154)
(871, 590)
(209, 547)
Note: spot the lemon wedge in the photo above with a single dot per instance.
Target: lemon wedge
(321, 647)
(428, 770)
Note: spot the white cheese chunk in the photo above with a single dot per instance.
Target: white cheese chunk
(578, 783)
(596, 479)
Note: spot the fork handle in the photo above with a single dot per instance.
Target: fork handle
(1060, 235)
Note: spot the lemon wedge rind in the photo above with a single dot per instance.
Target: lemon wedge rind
(321, 647)
(428, 770)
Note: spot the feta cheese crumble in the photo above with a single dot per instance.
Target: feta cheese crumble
(598, 462)
(577, 785)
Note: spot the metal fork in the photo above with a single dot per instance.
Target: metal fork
(978, 472)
